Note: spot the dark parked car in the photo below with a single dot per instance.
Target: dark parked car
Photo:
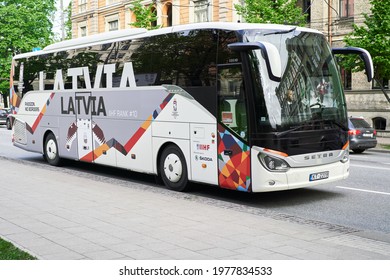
(361, 135)
(4, 115)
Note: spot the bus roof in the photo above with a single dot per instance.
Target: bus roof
(233, 26)
(127, 34)
(95, 39)
(28, 54)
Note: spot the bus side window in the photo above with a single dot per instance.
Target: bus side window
(231, 98)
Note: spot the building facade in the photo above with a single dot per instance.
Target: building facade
(96, 16)
(334, 18)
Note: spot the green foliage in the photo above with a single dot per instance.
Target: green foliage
(374, 36)
(24, 24)
(145, 15)
(10, 252)
(271, 11)
(68, 22)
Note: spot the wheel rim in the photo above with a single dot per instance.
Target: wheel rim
(173, 168)
(51, 149)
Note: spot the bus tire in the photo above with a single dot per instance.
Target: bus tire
(358, 151)
(51, 150)
(173, 169)
(8, 124)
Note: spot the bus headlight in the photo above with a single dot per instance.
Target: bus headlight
(345, 156)
(272, 163)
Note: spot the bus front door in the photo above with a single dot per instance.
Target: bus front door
(233, 151)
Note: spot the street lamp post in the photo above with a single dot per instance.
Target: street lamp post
(62, 20)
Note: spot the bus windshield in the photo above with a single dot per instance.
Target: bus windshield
(309, 91)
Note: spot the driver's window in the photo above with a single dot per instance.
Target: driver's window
(231, 99)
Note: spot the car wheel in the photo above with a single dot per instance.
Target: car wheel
(51, 150)
(358, 151)
(173, 169)
(8, 124)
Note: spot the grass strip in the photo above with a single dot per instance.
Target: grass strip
(9, 252)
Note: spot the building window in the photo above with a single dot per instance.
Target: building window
(306, 8)
(82, 6)
(346, 8)
(346, 77)
(201, 10)
(167, 14)
(112, 23)
(154, 11)
(383, 82)
(83, 31)
(379, 123)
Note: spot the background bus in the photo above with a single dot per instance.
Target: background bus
(249, 107)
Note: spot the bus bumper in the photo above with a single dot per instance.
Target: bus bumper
(264, 180)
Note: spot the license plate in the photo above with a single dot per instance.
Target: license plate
(319, 176)
(368, 135)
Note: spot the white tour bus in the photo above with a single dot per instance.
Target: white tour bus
(249, 107)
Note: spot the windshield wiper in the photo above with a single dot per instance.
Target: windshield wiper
(339, 124)
(281, 32)
(311, 125)
(280, 134)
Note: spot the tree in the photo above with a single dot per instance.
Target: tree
(374, 36)
(68, 22)
(24, 24)
(271, 11)
(145, 15)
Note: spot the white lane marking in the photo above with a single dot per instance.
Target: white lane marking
(369, 167)
(362, 190)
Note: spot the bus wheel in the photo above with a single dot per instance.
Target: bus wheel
(51, 150)
(8, 123)
(173, 169)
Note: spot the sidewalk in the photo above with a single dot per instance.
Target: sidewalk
(382, 141)
(57, 214)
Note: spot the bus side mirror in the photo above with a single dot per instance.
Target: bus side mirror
(269, 52)
(364, 55)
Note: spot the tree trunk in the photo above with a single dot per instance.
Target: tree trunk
(383, 90)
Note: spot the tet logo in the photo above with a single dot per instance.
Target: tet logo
(203, 147)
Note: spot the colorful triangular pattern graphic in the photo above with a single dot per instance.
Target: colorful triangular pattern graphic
(233, 161)
(126, 148)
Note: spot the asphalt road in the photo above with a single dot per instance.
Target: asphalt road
(361, 202)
